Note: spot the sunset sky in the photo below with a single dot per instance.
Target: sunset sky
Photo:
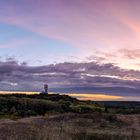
(71, 44)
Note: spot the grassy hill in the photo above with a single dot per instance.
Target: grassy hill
(59, 117)
(22, 105)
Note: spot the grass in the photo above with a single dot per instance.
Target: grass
(60, 117)
(71, 126)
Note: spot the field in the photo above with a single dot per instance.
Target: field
(60, 117)
(71, 126)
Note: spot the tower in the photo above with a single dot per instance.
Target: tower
(46, 88)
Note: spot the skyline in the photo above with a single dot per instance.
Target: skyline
(70, 44)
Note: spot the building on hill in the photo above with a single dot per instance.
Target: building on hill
(45, 89)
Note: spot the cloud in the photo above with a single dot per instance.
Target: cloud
(131, 53)
(84, 24)
(88, 25)
(104, 27)
(20, 76)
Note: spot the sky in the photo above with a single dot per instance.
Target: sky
(71, 44)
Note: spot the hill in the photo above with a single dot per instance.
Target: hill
(23, 105)
(59, 117)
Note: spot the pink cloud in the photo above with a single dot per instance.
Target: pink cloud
(105, 26)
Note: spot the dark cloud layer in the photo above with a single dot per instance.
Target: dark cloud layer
(16, 76)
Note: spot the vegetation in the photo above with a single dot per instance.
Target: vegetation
(121, 107)
(72, 126)
(59, 117)
(21, 105)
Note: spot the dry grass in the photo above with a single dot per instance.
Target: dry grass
(70, 126)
